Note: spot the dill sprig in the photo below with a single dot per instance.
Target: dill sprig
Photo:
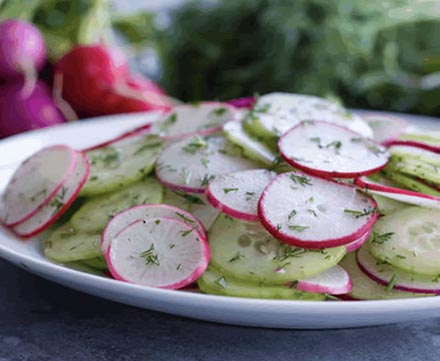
(151, 258)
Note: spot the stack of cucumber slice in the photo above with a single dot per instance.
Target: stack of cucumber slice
(296, 198)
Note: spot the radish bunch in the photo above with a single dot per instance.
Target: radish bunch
(25, 101)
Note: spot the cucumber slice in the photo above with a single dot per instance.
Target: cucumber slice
(388, 205)
(245, 250)
(96, 212)
(66, 244)
(82, 267)
(408, 182)
(121, 163)
(177, 199)
(409, 239)
(395, 278)
(252, 147)
(190, 164)
(365, 288)
(215, 282)
(204, 212)
(273, 114)
(97, 263)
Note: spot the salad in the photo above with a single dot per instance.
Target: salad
(289, 197)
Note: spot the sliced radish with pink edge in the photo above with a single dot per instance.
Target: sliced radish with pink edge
(335, 281)
(364, 288)
(143, 212)
(237, 194)
(386, 128)
(199, 119)
(355, 245)
(312, 212)
(159, 252)
(35, 182)
(413, 143)
(329, 150)
(58, 204)
(190, 164)
(395, 278)
(398, 194)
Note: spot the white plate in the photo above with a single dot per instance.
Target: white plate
(240, 311)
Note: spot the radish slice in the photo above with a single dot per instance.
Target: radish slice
(398, 194)
(237, 194)
(189, 120)
(397, 279)
(364, 288)
(334, 281)
(278, 112)
(353, 246)
(190, 164)
(312, 212)
(123, 219)
(58, 204)
(35, 182)
(414, 143)
(386, 128)
(159, 252)
(329, 150)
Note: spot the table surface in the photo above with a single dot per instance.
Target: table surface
(42, 321)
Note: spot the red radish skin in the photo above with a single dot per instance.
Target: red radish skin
(144, 211)
(21, 173)
(413, 143)
(353, 246)
(242, 103)
(288, 238)
(19, 113)
(251, 180)
(334, 281)
(22, 53)
(195, 274)
(96, 81)
(27, 229)
(399, 194)
(289, 153)
(427, 286)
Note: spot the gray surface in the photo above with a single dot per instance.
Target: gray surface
(41, 321)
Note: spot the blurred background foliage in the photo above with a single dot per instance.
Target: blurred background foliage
(371, 54)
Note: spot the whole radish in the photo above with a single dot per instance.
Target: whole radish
(22, 52)
(96, 81)
(19, 112)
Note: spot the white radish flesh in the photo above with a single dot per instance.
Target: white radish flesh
(394, 278)
(284, 111)
(158, 252)
(335, 281)
(237, 194)
(58, 204)
(190, 164)
(386, 128)
(35, 182)
(143, 212)
(189, 120)
(329, 150)
(312, 212)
